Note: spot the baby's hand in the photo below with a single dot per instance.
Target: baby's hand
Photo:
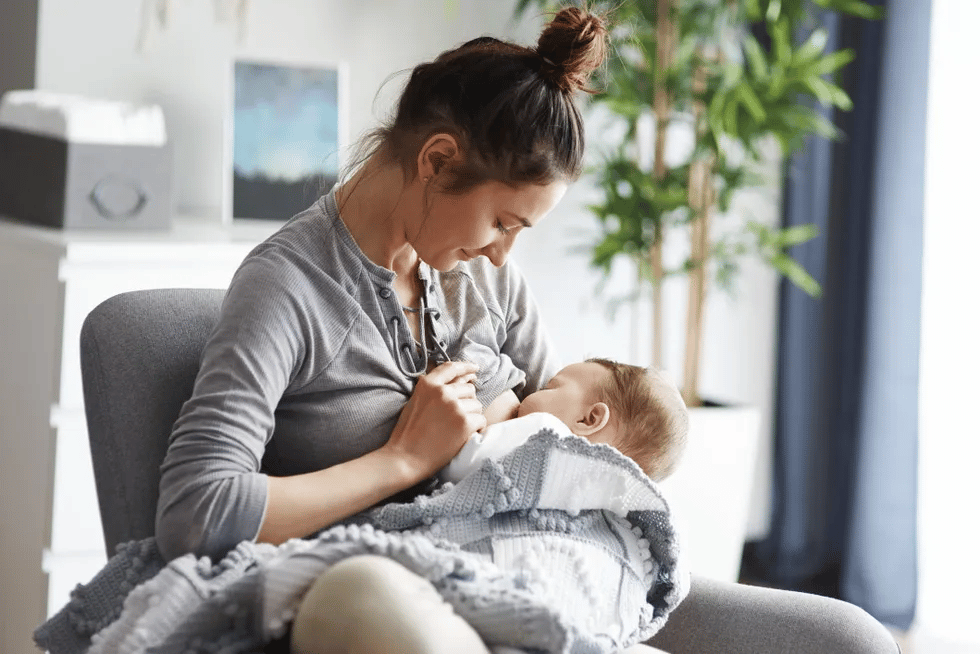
(504, 407)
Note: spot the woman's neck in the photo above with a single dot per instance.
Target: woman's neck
(373, 205)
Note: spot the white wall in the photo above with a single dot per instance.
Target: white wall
(90, 48)
(949, 446)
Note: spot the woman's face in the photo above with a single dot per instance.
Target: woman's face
(484, 221)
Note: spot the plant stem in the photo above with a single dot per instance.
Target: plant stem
(701, 200)
(700, 193)
(662, 104)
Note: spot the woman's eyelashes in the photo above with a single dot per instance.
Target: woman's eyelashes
(503, 230)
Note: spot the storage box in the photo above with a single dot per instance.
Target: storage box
(54, 172)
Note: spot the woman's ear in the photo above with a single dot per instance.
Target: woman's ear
(596, 417)
(436, 153)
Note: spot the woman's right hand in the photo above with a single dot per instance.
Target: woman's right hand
(438, 419)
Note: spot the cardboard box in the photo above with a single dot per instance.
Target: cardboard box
(72, 161)
(51, 181)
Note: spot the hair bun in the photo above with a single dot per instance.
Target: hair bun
(571, 47)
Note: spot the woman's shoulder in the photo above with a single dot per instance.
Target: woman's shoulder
(312, 251)
(304, 235)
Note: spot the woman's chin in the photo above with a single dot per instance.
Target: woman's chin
(461, 258)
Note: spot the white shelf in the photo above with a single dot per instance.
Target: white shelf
(50, 530)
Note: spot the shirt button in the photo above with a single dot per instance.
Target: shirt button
(384, 293)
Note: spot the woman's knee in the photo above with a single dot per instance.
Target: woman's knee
(371, 604)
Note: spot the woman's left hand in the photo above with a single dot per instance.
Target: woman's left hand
(437, 420)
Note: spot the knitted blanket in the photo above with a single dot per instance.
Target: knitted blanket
(560, 546)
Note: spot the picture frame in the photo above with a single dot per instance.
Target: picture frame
(285, 137)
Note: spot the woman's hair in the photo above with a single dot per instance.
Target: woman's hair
(652, 416)
(510, 107)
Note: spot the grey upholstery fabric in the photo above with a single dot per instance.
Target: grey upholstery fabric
(140, 353)
(734, 618)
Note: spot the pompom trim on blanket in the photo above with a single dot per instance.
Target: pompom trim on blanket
(539, 493)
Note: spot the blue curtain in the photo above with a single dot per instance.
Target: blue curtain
(846, 432)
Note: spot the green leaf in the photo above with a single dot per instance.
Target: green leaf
(751, 102)
(731, 118)
(795, 235)
(773, 11)
(812, 48)
(781, 43)
(756, 57)
(832, 62)
(803, 119)
(853, 7)
(795, 273)
(777, 83)
(828, 93)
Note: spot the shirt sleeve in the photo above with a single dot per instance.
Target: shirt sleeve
(212, 493)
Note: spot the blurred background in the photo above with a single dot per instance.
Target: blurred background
(863, 477)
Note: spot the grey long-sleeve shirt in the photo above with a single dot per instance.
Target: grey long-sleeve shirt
(300, 372)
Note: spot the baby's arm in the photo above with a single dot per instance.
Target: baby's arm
(502, 408)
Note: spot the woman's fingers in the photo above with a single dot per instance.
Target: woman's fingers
(441, 414)
(476, 422)
(470, 405)
(462, 388)
(450, 371)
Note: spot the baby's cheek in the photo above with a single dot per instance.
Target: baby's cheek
(529, 405)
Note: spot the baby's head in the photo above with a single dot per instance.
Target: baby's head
(636, 410)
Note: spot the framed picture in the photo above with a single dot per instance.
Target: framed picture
(287, 130)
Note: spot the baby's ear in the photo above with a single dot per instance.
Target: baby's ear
(596, 417)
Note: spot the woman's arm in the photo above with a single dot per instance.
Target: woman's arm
(433, 426)
(213, 493)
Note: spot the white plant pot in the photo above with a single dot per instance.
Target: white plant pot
(710, 492)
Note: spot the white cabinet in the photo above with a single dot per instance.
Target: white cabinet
(50, 531)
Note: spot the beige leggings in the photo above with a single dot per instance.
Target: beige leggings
(373, 605)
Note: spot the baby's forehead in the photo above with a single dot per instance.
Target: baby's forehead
(584, 373)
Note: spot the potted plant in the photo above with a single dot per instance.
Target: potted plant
(735, 75)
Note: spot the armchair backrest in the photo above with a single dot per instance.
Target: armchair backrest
(140, 353)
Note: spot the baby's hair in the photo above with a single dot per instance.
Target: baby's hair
(652, 416)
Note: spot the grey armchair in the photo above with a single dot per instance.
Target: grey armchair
(140, 354)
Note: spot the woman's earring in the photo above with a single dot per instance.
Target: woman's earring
(425, 179)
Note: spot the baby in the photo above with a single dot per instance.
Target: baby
(635, 410)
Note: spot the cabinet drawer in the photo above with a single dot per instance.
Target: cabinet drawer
(75, 522)
(87, 286)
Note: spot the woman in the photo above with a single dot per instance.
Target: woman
(362, 344)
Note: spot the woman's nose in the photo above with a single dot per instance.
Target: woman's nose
(498, 250)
